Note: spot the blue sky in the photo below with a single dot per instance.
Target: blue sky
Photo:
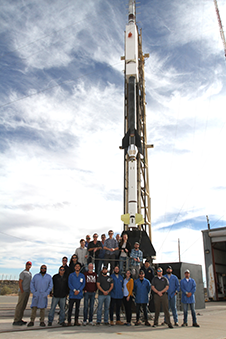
(61, 125)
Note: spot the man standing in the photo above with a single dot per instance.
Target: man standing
(94, 248)
(23, 295)
(116, 296)
(111, 245)
(105, 285)
(149, 274)
(102, 252)
(136, 257)
(87, 240)
(174, 288)
(76, 283)
(89, 294)
(188, 288)
(60, 292)
(160, 286)
(41, 286)
(66, 267)
(142, 287)
(82, 255)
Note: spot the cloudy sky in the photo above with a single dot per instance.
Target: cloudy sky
(61, 125)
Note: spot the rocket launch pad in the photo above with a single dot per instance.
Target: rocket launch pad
(137, 202)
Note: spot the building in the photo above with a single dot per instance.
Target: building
(214, 241)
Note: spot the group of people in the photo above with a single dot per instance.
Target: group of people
(80, 280)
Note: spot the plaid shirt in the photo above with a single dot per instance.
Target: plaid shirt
(136, 254)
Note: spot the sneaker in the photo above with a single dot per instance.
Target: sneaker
(137, 323)
(42, 324)
(170, 325)
(63, 324)
(154, 325)
(77, 323)
(31, 323)
(91, 323)
(196, 325)
(107, 323)
(184, 324)
(84, 323)
(17, 323)
(176, 324)
(164, 323)
(128, 324)
(147, 323)
(97, 324)
(69, 324)
(49, 323)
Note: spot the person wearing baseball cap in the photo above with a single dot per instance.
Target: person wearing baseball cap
(23, 295)
(188, 288)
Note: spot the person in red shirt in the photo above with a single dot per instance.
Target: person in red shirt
(89, 294)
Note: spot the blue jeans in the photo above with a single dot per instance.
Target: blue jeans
(172, 306)
(53, 306)
(103, 299)
(122, 261)
(192, 307)
(88, 296)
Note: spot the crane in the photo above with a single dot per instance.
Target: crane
(221, 26)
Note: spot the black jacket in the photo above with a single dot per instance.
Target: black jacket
(60, 286)
(149, 273)
(128, 247)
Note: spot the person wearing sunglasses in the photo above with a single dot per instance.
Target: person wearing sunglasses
(60, 291)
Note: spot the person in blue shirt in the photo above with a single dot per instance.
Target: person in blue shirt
(174, 288)
(116, 296)
(188, 288)
(142, 288)
(76, 284)
(41, 286)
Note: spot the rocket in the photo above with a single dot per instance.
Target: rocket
(131, 142)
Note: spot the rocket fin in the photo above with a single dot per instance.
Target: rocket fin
(125, 218)
(139, 219)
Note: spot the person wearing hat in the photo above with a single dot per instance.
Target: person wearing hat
(23, 295)
(105, 285)
(160, 286)
(76, 284)
(188, 288)
(142, 287)
(174, 288)
(136, 257)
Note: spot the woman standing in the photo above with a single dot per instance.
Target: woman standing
(73, 261)
(124, 249)
(127, 296)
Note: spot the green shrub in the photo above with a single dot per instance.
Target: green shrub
(5, 290)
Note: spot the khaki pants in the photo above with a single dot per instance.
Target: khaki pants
(164, 301)
(33, 314)
(21, 305)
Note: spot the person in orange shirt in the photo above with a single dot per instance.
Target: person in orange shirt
(127, 296)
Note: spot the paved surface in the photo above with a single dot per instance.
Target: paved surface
(212, 322)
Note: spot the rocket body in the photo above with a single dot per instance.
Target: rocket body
(131, 141)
